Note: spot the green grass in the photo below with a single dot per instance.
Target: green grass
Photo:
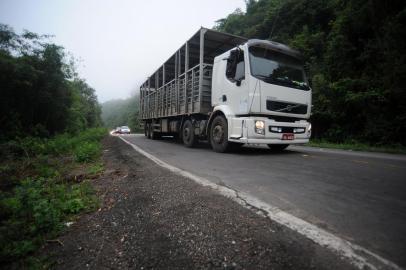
(357, 146)
(95, 169)
(37, 197)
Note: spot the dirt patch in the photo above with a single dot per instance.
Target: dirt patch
(152, 218)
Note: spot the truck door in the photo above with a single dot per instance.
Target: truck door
(235, 83)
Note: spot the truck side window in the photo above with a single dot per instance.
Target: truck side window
(235, 69)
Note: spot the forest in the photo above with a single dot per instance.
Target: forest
(41, 93)
(354, 51)
(50, 145)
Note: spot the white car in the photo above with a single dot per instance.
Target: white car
(124, 130)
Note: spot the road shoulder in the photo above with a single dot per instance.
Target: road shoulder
(152, 218)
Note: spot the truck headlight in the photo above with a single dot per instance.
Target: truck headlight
(309, 130)
(260, 127)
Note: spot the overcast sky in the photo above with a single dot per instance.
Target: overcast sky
(119, 42)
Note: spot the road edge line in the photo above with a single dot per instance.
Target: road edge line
(355, 254)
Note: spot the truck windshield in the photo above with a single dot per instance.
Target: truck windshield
(277, 68)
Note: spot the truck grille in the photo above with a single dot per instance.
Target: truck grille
(286, 107)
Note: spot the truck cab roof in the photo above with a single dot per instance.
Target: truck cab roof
(272, 45)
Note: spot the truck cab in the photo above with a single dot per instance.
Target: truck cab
(262, 90)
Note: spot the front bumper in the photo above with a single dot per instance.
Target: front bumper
(243, 130)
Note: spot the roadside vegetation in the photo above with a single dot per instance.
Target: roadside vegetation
(354, 53)
(44, 184)
(41, 92)
(49, 145)
(357, 146)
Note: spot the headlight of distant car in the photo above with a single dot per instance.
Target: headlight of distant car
(260, 127)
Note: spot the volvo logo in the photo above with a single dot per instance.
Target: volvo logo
(288, 108)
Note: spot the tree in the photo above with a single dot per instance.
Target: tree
(39, 93)
(354, 53)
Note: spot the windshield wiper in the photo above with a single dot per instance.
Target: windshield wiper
(300, 84)
(266, 78)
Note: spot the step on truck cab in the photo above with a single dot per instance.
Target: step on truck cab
(230, 91)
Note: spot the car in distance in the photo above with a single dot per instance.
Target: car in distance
(124, 130)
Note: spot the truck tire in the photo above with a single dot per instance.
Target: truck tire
(219, 136)
(149, 131)
(277, 147)
(188, 134)
(155, 135)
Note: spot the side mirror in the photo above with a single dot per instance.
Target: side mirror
(238, 82)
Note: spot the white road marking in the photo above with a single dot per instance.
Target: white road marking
(360, 257)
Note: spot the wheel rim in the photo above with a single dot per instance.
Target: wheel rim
(218, 134)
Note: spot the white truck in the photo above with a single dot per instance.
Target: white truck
(230, 91)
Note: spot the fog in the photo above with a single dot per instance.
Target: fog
(118, 43)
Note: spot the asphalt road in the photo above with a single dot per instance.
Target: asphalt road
(357, 196)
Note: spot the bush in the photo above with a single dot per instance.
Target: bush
(62, 144)
(86, 152)
(92, 134)
(38, 200)
(35, 209)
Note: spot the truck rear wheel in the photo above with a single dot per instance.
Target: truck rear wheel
(155, 135)
(219, 136)
(188, 134)
(148, 130)
(277, 147)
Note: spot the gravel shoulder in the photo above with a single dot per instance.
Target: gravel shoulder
(152, 218)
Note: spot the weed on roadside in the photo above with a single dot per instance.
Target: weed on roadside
(37, 199)
(357, 146)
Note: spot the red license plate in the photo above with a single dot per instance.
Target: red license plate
(288, 136)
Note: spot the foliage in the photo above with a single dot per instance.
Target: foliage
(354, 52)
(121, 112)
(85, 110)
(86, 152)
(41, 94)
(35, 210)
(35, 204)
(43, 103)
(61, 144)
(95, 169)
(357, 146)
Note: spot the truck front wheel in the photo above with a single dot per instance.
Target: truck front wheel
(219, 135)
(188, 134)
